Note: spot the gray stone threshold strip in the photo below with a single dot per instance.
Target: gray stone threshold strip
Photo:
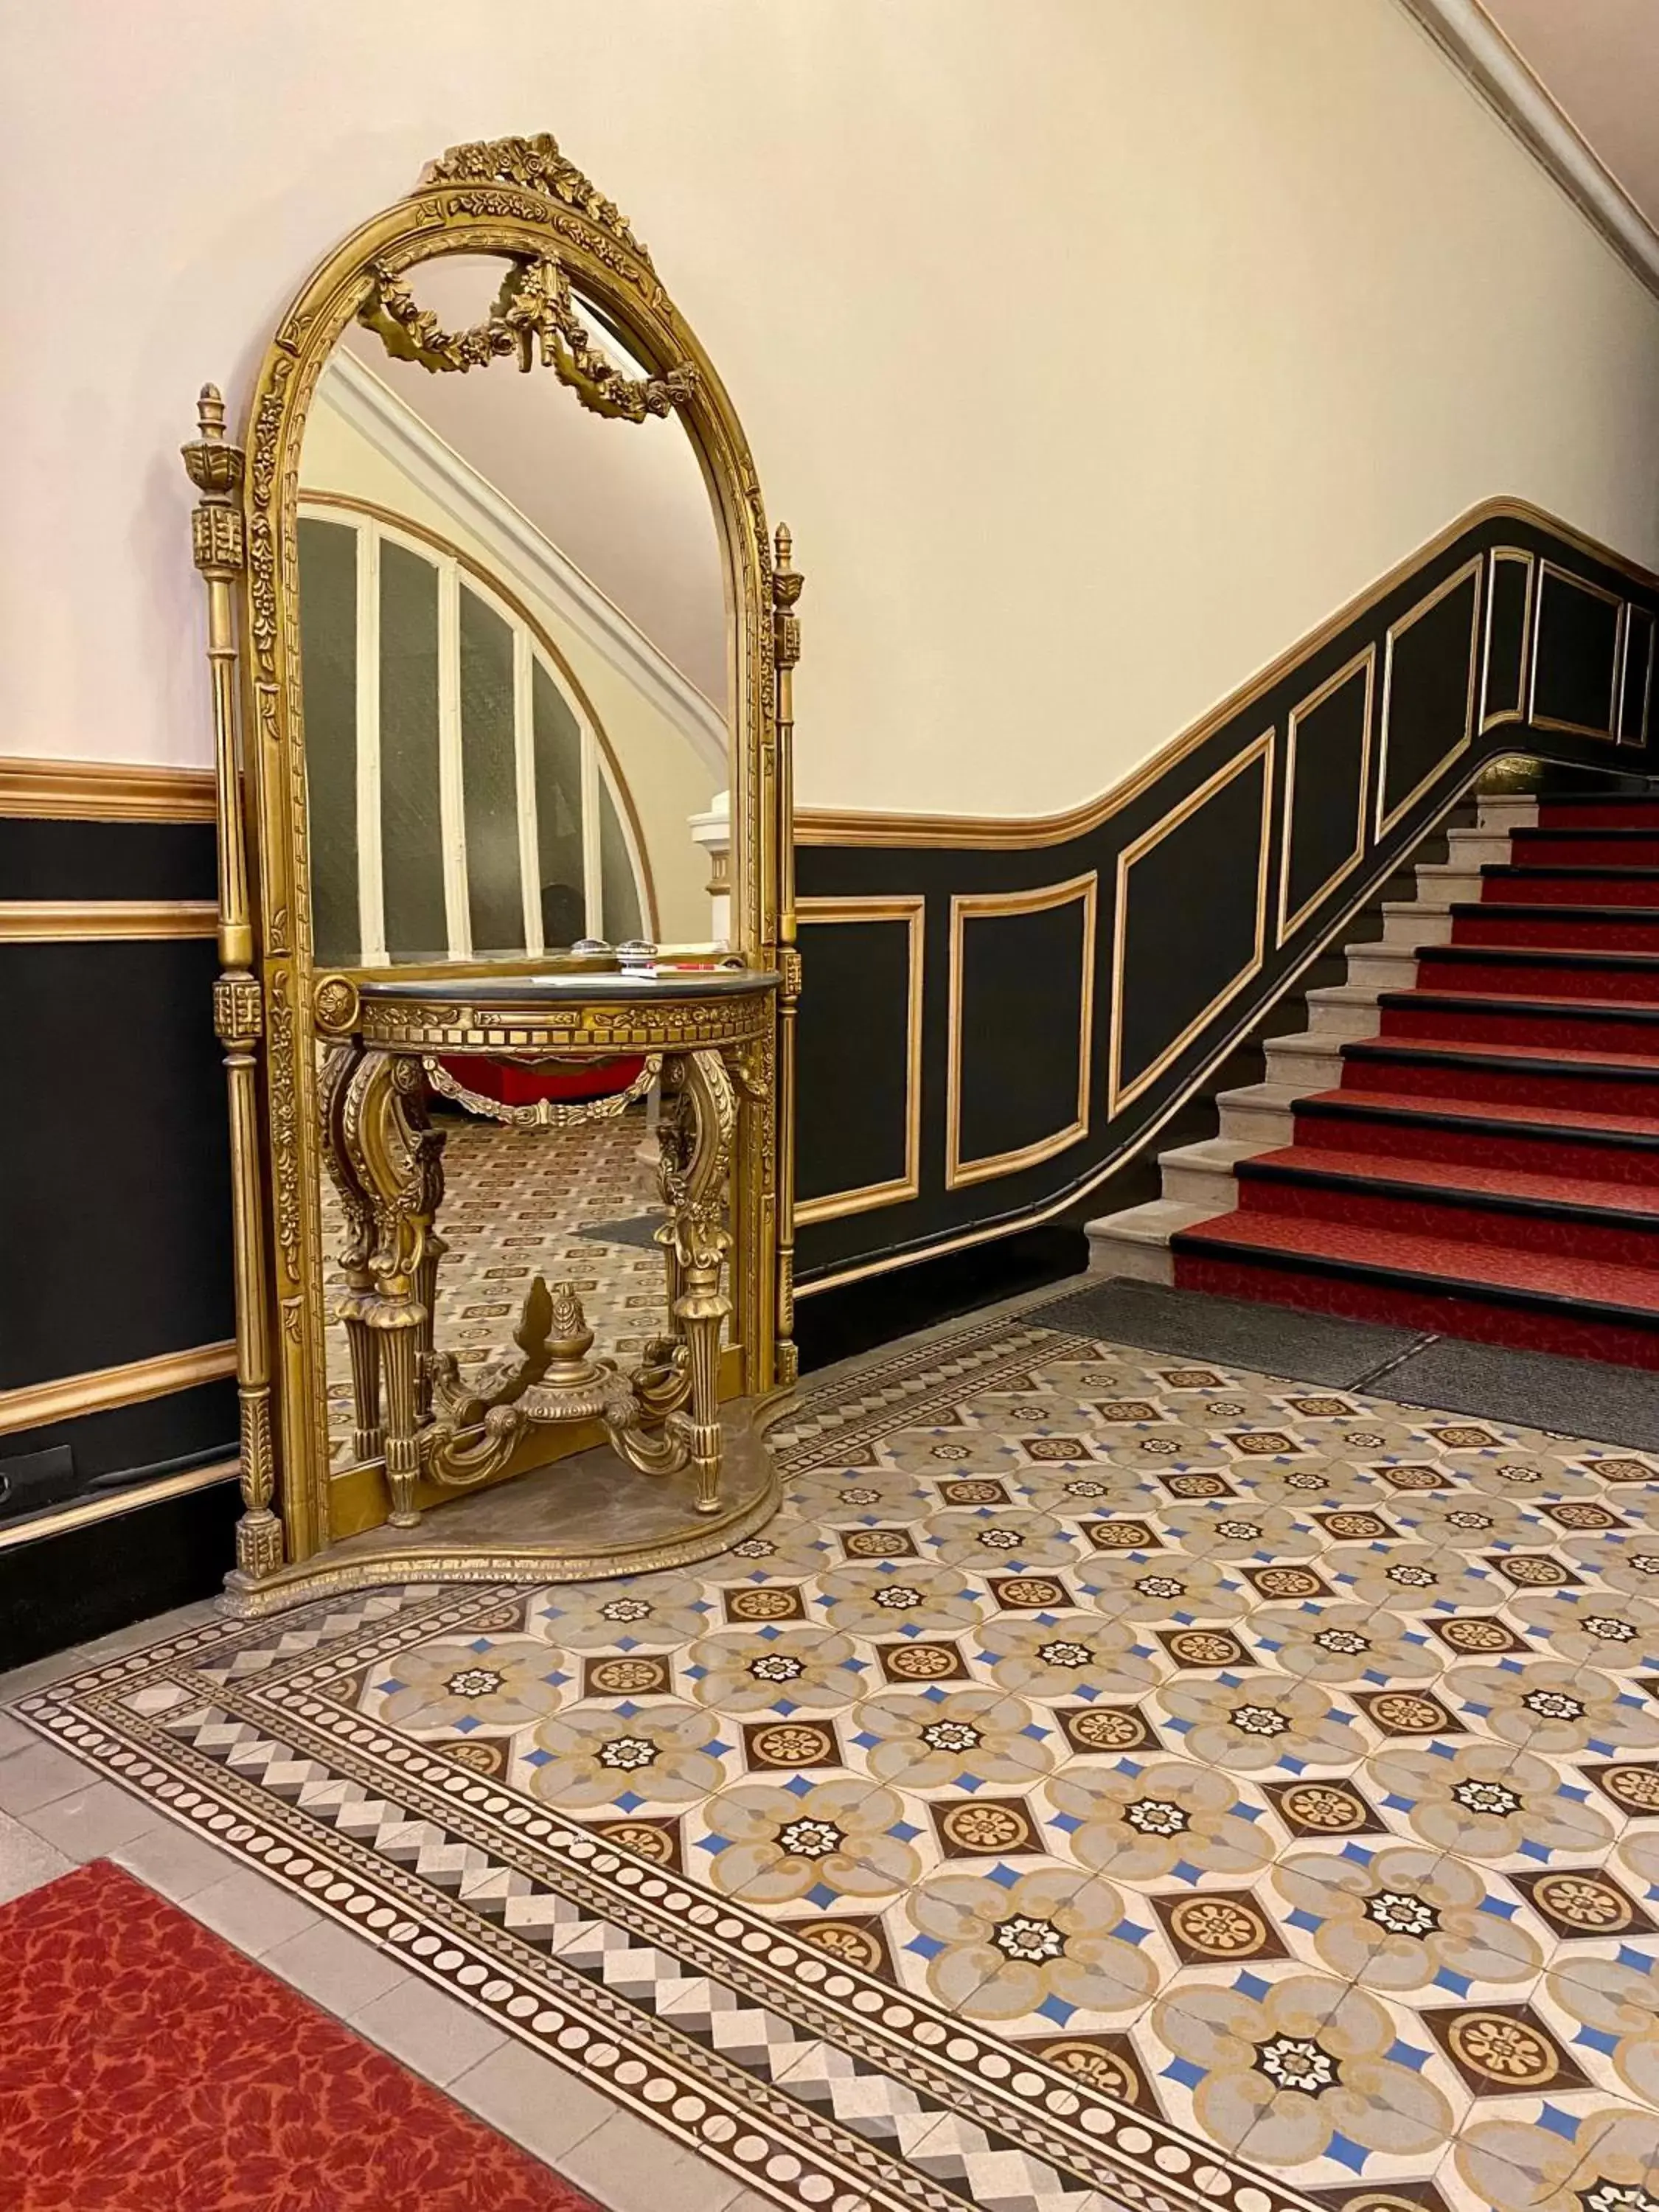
(1586, 1398)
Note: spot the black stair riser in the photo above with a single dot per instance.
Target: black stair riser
(1371, 1049)
(1542, 1010)
(1538, 956)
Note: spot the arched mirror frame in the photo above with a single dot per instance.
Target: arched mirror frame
(518, 198)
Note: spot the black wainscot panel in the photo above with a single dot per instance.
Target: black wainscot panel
(1509, 603)
(1429, 673)
(87, 860)
(115, 1203)
(1024, 992)
(1576, 655)
(1328, 747)
(1193, 918)
(853, 1056)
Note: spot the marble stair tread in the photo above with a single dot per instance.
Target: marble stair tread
(1136, 1242)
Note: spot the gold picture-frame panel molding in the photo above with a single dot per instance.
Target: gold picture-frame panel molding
(1638, 618)
(1119, 1093)
(1509, 557)
(515, 199)
(1552, 571)
(911, 910)
(1469, 572)
(1364, 662)
(990, 906)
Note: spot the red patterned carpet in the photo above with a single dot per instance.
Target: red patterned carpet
(1487, 1165)
(146, 2064)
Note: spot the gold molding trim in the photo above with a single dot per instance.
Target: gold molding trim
(1546, 570)
(1365, 660)
(1470, 571)
(845, 826)
(71, 921)
(105, 791)
(87, 1510)
(910, 910)
(389, 519)
(991, 906)
(103, 1388)
(1634, 614)
(1119, 1093)
(1512, 555)
(1050, 1209)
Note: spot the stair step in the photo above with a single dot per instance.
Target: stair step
(1592, 1310)
(1586, 845)
(1513, 1075)
(1398, 1131)
(1202, 1174)
(1571, 886)
(1260, 1112)
(1516, 971)
(1589, 928)
(1457, 1203)
(1571, 809)
(1536, 1023)
(1136, 1242)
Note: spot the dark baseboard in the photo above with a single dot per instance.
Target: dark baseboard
(82, 1583)
(855, 1317)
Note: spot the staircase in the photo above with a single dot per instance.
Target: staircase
(1466, 1137)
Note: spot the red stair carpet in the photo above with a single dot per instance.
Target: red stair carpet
(1488, 1166)
(145, 2066)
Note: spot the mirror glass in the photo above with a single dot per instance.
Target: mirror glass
(515, 651)
(514, 645)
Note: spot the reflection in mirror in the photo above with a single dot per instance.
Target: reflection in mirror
(515, 646)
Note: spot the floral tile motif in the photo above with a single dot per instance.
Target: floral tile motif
(1110, 1780)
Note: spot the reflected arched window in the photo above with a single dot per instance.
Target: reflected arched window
(463, 801)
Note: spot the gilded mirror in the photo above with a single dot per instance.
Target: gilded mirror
(513, 694)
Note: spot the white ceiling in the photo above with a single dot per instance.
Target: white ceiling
(1599, 61)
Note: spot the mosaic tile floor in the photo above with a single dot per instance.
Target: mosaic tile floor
(515, 1203)
(1112, 1781)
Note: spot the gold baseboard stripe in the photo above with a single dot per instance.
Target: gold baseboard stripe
(105, 1388)
(105, 791)
(79, 921)
(88, 1510)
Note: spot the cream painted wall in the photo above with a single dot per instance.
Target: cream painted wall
(1094, 350)
(668, 780)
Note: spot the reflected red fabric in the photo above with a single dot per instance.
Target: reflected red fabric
(522, 1086)
(145, 2066)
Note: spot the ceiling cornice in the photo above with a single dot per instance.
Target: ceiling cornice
(1463, 30)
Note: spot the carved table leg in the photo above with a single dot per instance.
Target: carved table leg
(363, 1344)
(395, 1157)
(693, 1187)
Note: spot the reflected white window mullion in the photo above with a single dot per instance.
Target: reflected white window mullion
(371, 875)
(452, 794)
(524, 764)
(593, 890)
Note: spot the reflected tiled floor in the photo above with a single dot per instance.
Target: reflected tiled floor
(515, 1203)
(1112, 1780)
